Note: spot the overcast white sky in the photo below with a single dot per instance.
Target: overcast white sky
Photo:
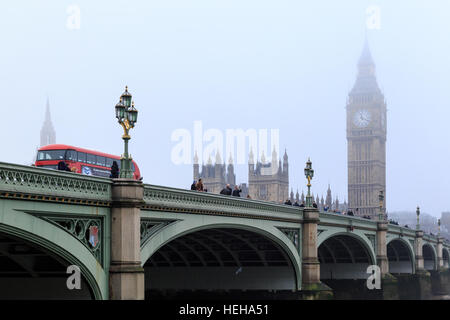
(287, 65)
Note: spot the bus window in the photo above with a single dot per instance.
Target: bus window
(101, 161)
(71, 155)
(81, 157)
(51, 155)
(109, 162)
(90, 158)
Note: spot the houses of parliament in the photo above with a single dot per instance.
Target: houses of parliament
(366, 155)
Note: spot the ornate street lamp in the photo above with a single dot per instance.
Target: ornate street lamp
(126, 115)
(309, 173)
(381, 198)
(439, 227)
(418, 214)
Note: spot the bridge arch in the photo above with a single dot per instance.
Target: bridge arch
(429, 257)
(400, 255)
(236, 247)
(48, 238)
(345, 255)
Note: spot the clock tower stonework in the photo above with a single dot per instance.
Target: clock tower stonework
(366, 140)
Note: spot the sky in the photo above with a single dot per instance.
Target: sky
(237, 64)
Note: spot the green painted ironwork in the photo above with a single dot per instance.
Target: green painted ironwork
(177, 200)
(293, 235)
(79, 228)
(149, 227)
(31, 180)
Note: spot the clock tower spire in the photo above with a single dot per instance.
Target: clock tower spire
(366, 139)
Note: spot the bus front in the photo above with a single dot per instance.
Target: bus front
(50, 156)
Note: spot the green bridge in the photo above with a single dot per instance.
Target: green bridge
(133, 241)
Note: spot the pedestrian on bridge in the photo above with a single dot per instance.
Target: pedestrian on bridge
(199, 185)
(236, 192)
(193, 185)
(114, 170)
(226, 191)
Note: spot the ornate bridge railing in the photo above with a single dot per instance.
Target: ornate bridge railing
(335, 219)
(401, 231)
(36, 183)
(186, 201)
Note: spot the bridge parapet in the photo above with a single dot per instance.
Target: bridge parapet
(401, 231)
(36, 183)
(430, 238)
(160, 198)
(346, 221)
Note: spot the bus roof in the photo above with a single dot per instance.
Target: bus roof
(65, 146)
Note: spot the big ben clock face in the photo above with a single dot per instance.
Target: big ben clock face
(362, 118)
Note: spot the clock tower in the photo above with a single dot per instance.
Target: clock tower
(366, 140)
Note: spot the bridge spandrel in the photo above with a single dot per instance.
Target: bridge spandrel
(159, 198)
(37, 183)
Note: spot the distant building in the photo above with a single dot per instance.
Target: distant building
(266, 181)
(366, 139)
(269, 181)
(48, 134)
(215, 177)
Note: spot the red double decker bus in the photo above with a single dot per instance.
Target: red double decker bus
(84, 161)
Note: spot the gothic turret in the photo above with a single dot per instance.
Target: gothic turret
(329, 199)
(196, 166)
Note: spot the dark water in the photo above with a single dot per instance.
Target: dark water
(442, 297)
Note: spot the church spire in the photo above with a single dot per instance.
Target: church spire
(48, 134)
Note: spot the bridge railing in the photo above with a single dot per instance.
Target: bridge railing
(27, 181)
(401, 231)
(332, 218)
(180, 200)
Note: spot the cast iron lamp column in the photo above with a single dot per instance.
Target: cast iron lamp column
(126, 115)
(381, 213)
(309, 173)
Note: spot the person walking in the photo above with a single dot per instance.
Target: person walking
(302, 205)
(296, 204)
(314, 204)
(288, 202)
(226, 191)
(193, 187)
(62, 166)
(199, 185)
(236, 192)
(114, 170)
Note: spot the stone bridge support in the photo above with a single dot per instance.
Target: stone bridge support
(440, 278)
(126, 274)
(312, 288)
(416, 286)
(440, 249)
(389, 282)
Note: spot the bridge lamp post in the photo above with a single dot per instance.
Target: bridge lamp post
(381, 198)
(309, 173)
(418, 214)
(439, 228)
(126, 115)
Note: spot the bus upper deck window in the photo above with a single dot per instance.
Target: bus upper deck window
(101, 161)
(82, 157)
(90, 158)
(71, 155)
